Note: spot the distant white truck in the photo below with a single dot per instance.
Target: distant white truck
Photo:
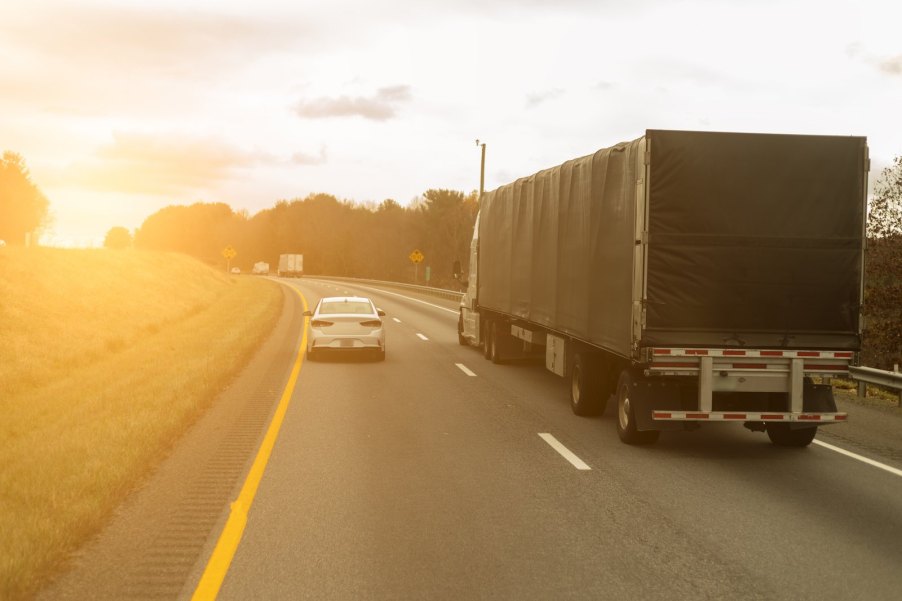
(291, 266)
(261, 268)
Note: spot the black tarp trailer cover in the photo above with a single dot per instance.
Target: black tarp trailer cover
(749, 240)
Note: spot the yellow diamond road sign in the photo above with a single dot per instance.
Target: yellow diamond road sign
(228, 252)
(416, 256)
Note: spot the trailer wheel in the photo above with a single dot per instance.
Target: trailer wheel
(460, 331)
(497, 343)
(626, 415)
(585, 393)
(782, 435)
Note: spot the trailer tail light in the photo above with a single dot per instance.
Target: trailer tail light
(320, 323)
(372, 323)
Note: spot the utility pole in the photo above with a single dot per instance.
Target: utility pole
(481, 169)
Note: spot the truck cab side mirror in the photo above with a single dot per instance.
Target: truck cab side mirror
(456, 270)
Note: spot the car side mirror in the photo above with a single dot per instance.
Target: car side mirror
(308, 313)
(380, 312)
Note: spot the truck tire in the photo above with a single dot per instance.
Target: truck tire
(497, 345)
(782, 435)
(586, 397)
(460, 331)
(626, 415)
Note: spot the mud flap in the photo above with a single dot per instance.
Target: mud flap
(655, 395)
(818, 398)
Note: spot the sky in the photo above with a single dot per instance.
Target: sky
(122, 107)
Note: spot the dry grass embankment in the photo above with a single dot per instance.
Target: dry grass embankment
(106, 357)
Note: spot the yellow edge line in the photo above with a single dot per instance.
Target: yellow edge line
(218, 565)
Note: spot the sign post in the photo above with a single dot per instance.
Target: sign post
(229, 253)
(416, 257)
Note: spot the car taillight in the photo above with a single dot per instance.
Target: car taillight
(320, 323)
(372, 323)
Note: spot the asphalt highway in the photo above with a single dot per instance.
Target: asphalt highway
(438, 475)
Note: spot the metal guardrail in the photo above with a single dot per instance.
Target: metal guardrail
(863, 375)
(877, 377)
(438, 292)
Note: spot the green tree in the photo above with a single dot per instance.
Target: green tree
(117, 238)
(447, 218)
(883, 277)
(23, 207)
(201, 230)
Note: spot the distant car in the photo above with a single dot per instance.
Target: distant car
(236, 270)
(345, 324)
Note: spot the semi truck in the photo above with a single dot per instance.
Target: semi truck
(688, 276)
(291, 266)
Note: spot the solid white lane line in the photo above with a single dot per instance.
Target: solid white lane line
(409, 298)
(464, 369)
(396, 319)
(421, 337)
(564, 451)
(861, 458)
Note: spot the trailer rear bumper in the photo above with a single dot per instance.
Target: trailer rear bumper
(740, 416)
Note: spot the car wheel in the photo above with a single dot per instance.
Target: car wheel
(626, 415)
(784, 436)
(585, 393)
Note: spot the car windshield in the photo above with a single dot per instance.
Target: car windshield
(345, 306)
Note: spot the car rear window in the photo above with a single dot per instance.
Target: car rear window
(356, 307)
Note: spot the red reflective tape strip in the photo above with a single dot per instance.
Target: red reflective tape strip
(661, 414)
(661, 351)
(750, 366)
(772, 416)
(695, 351)
(735, 416)
(840, 418)
(843, 355)
(771, 353)
(814, 367)
(729, 353)
(808, 354)
(697, 416)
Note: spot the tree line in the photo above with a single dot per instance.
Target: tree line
(336, 237)
(344, 238)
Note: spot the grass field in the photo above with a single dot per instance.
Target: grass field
(106, 357)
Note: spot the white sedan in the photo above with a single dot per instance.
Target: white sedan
(345, 324)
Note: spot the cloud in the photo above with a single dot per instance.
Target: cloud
(534, 100)
(303, 158)
(891, 66)
(138, 163)
(145, 39)
(90, 60)
(381, 106)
